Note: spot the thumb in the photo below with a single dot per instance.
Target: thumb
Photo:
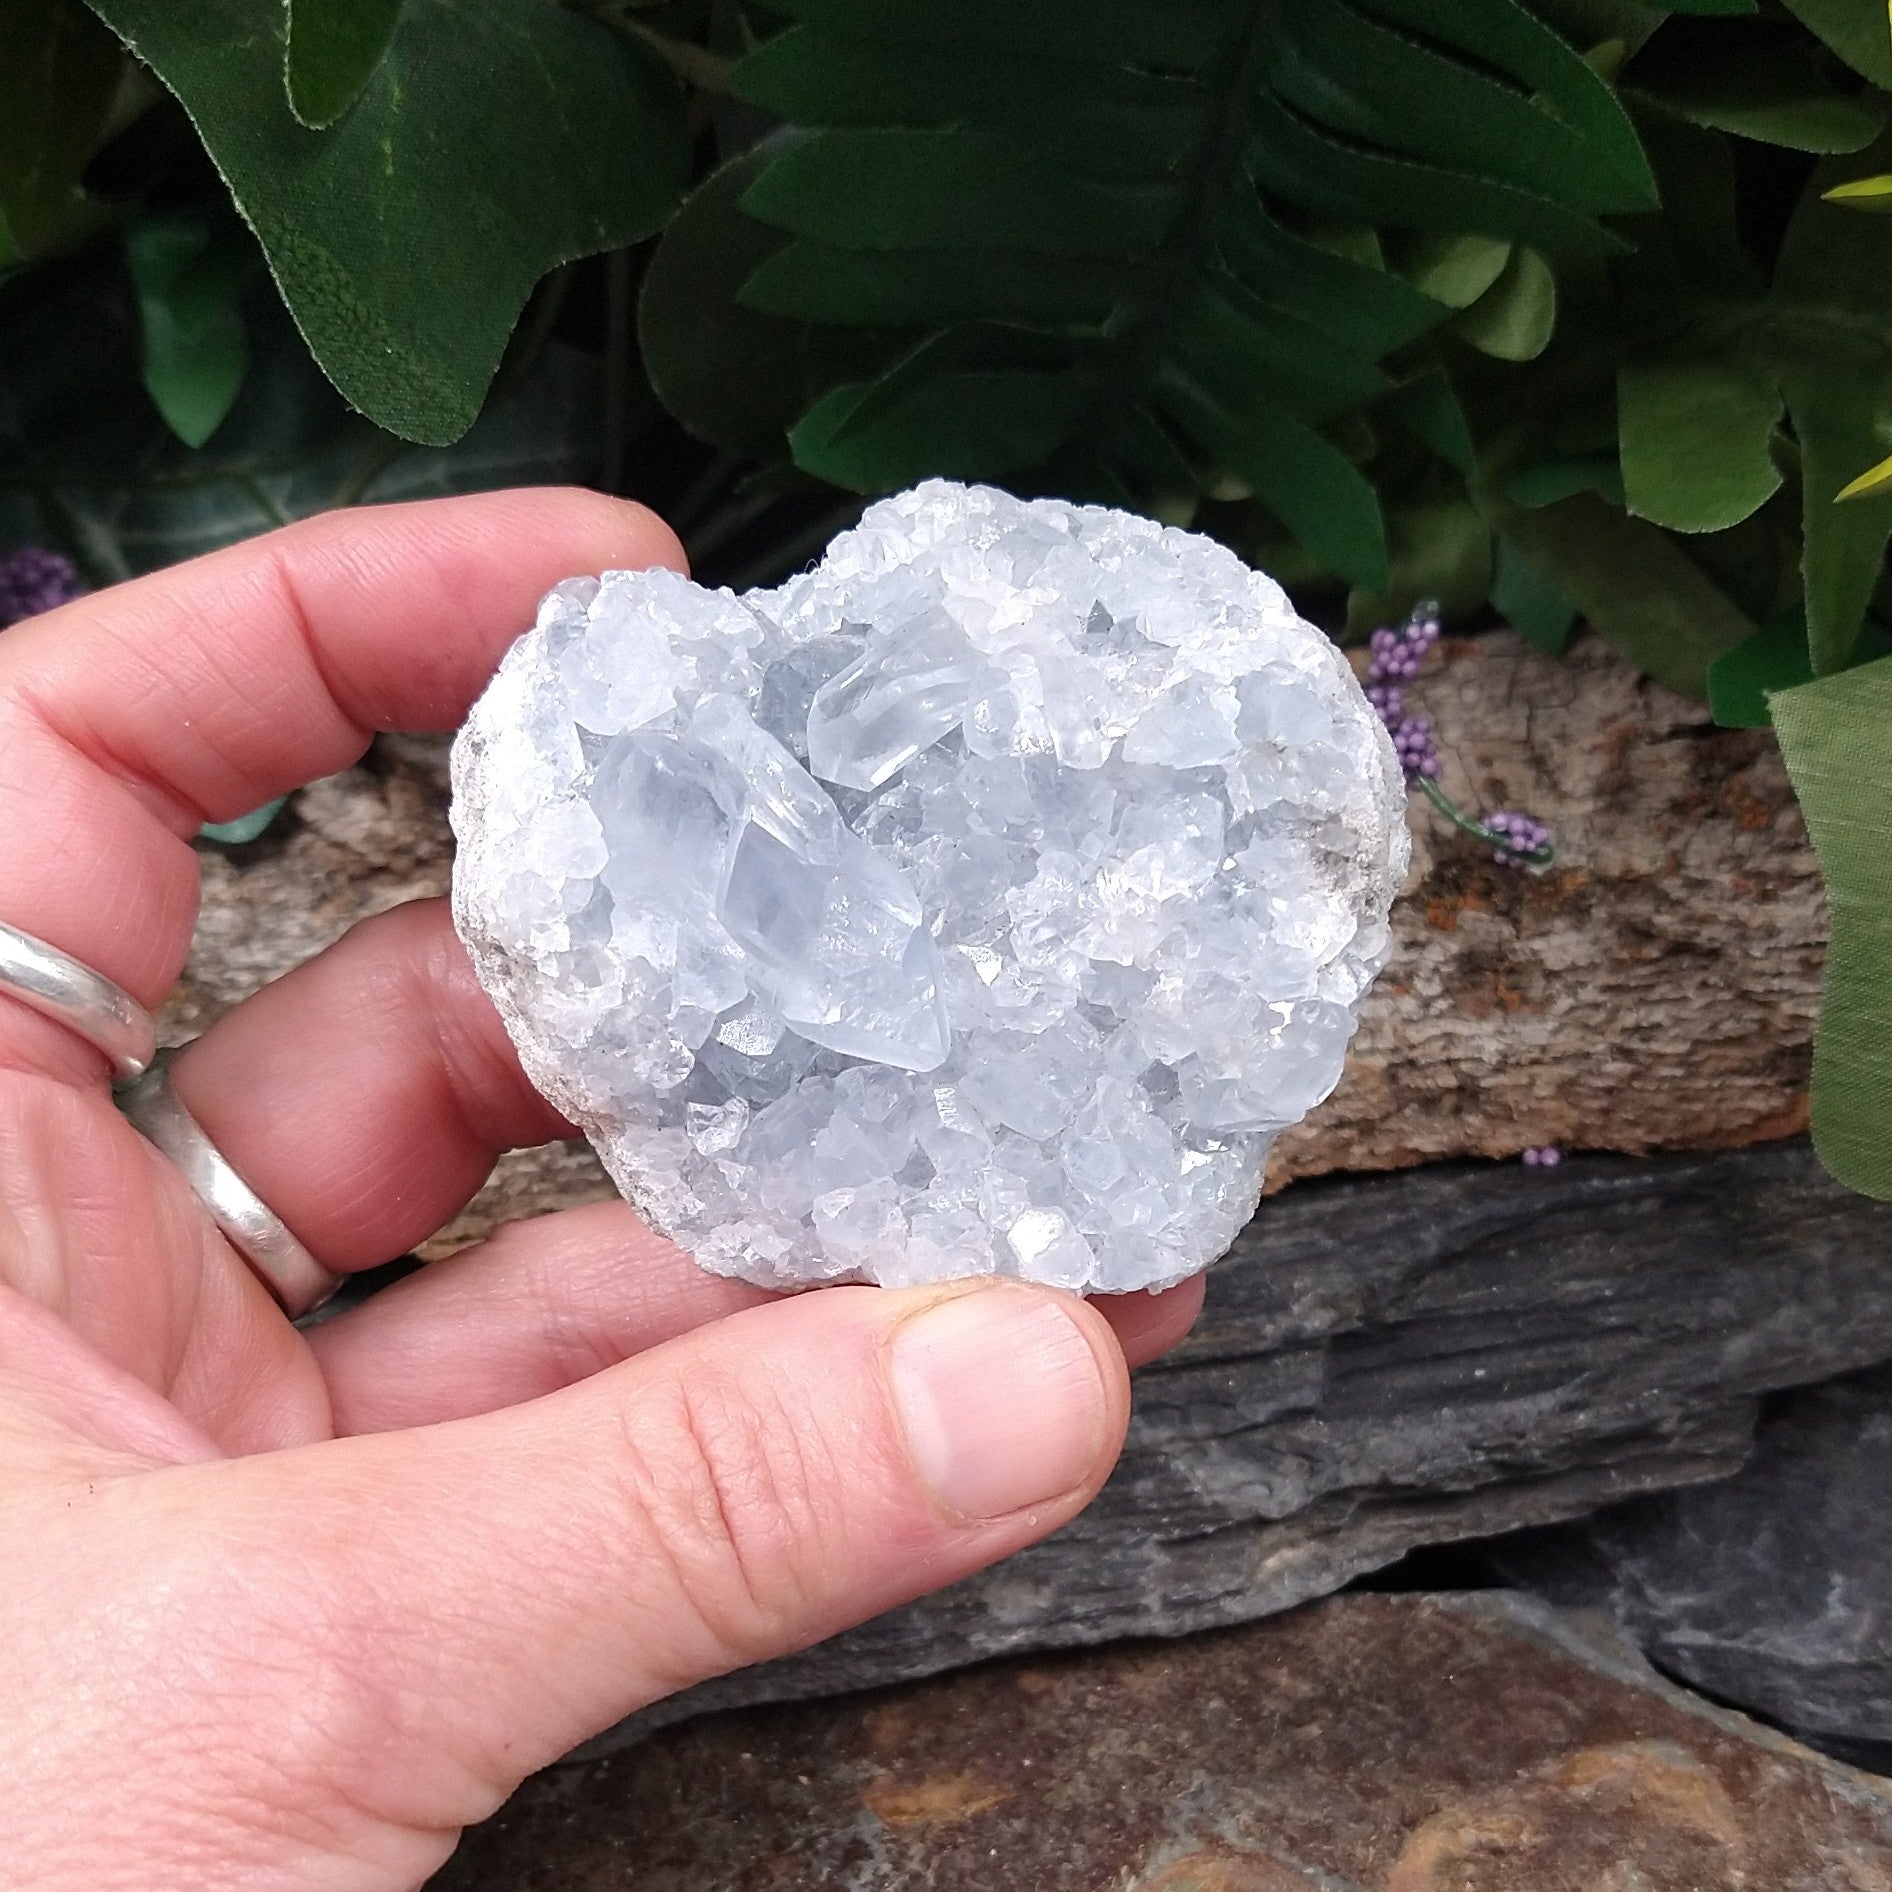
(478, 1597)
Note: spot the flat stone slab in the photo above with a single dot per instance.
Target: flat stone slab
(1771, 1589)
(1367, 1744)
(1389, 1361)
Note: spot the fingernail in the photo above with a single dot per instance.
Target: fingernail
(1002, 1399)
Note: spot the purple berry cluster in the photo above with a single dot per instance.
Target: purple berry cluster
(1519, 837)
(1397, 655)
(33, 580)
(1548, 1156)
(1515, 840)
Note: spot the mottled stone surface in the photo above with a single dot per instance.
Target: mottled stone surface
(1398, 1360)
(1367, 1744)
(1771, 1589)
(1655, 990)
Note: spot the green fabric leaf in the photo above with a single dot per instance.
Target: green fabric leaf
(1856, 30)
(732, 375)
(87, 463)
(1514, 318)
(245, 828)
(495, 139)
(1774, 658)
(1303, 479)
(1536, 607)
(972, 400)
(1552, 480)
(1428, 406)
(1181, 203)
(1635, 585)
(1695, 441)
(954, 190)
(1841, 429)
(334, 45)
(57, 78)
(190, 269)
(1832, 320)
(1833, 739)
(1769, 89)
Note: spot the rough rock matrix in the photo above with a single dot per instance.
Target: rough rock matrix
(987, 899)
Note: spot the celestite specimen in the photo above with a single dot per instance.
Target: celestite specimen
(983, 901)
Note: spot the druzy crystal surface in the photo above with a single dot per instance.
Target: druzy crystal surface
(984, 900)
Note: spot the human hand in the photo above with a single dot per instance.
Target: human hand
(287, 1610)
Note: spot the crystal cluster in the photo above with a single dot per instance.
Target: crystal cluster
(984, 900)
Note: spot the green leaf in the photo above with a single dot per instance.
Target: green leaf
(1774, 658)
(1428, 407)
(1769, 88)
(190, 269)
(1536, 607)
(1856, 30)
(496, 139)
(1696, 440)
(953, 190)
(1634, 584)
(334, 45)
(1833, 739)
(1514, 318)
(972, 401)
(1455, 270)
(1185, 203)
(245, 828)
(57, 78)
(87, 463)
(1841, 429)
(1302, 478)
(1833, 322)
(733, 376)
(1545, 484)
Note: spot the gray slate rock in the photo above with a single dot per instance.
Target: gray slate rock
(1390, 1361)
(1772, 1589)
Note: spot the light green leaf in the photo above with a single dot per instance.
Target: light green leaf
(58, 73)
(1856, 30)
(1695, 441)
(1833, 738)
(333, 46)
(496, 139)
(1514, 318)
(189, 269)
(1455, 270)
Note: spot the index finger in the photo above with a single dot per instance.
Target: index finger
(131, 717)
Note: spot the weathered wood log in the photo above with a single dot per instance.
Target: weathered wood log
(1655, 989)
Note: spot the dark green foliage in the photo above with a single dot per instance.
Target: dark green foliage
(494, 139)
(1534, 305)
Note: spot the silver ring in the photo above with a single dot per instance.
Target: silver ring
(298, 1281)
(60, 987)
